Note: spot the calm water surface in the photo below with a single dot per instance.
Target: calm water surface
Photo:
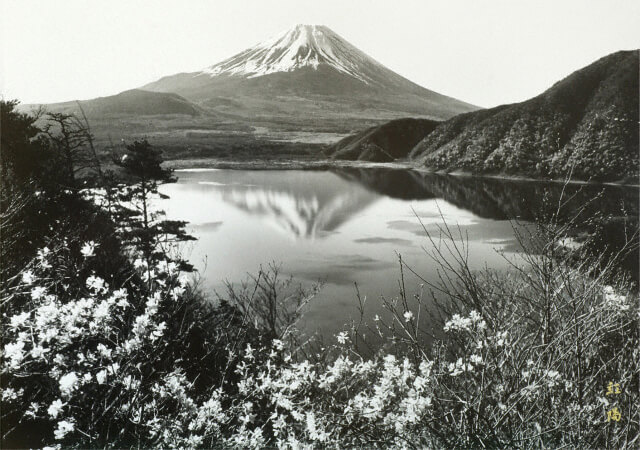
(348, 226)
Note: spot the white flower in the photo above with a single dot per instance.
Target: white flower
(120, 297)
(130, 383)
(27, 277)
(376, 318)
(88, 249)
(42, 257)
(501, 338)
(59, 360)
(104, 350)
(55, 408)
(38, 352)
(608, 290)
(166, 267)
(15, 353)
(33, 410)
(101, 376)
(615, 301)
(183, 280)
(248, 353)
(342, 337)
(19, 319)
(408, 315)
(101, 312)
(459, 367)
(176, 292)
(68, 383)
(457, 323)
(113, 368)
(119, 294)
(64, 427)
(159, 331)
(38, 292)
(96, 284)
(9, 394)
(463, 323)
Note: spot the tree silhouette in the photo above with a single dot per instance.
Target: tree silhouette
(143, 226)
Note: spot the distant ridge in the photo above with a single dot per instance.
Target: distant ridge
(132, 102)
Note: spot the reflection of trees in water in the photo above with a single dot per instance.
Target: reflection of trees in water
(494, 198)
(608, 213)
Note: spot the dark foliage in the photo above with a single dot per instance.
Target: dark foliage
(383, 143)
(38, 207)
(142, 226)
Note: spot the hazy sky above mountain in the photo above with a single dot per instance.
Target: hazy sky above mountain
(482, 52)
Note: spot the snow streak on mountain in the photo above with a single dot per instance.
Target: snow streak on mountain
(302, 46)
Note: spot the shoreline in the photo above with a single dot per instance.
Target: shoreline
(326, 164)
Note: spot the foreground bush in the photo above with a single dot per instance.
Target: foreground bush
(525, 362)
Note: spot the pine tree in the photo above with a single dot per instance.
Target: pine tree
(143, 227)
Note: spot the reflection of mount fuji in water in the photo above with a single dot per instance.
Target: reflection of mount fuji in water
(310, 204)
(302, 204)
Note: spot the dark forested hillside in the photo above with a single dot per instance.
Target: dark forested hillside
(385, 142)
(586, 124)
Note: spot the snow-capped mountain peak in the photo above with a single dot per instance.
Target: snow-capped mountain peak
(301, 46)
(307, 73)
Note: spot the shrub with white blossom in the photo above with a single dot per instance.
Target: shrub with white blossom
(87, 363)
(86, 366)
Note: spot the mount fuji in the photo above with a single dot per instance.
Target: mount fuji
(296, 92)
(307, 74)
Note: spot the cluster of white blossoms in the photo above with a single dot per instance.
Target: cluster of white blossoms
(614, 301)
(459, 367)
(459, 323)
(77, 343)
(88, 249)
(308, 404)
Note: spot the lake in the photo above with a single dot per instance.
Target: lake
(347, 226)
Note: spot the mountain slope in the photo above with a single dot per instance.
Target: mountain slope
(132, 102)
(383, 143)
(586, 124)
(309, 72)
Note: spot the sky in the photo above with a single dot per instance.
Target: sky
(485, 52)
